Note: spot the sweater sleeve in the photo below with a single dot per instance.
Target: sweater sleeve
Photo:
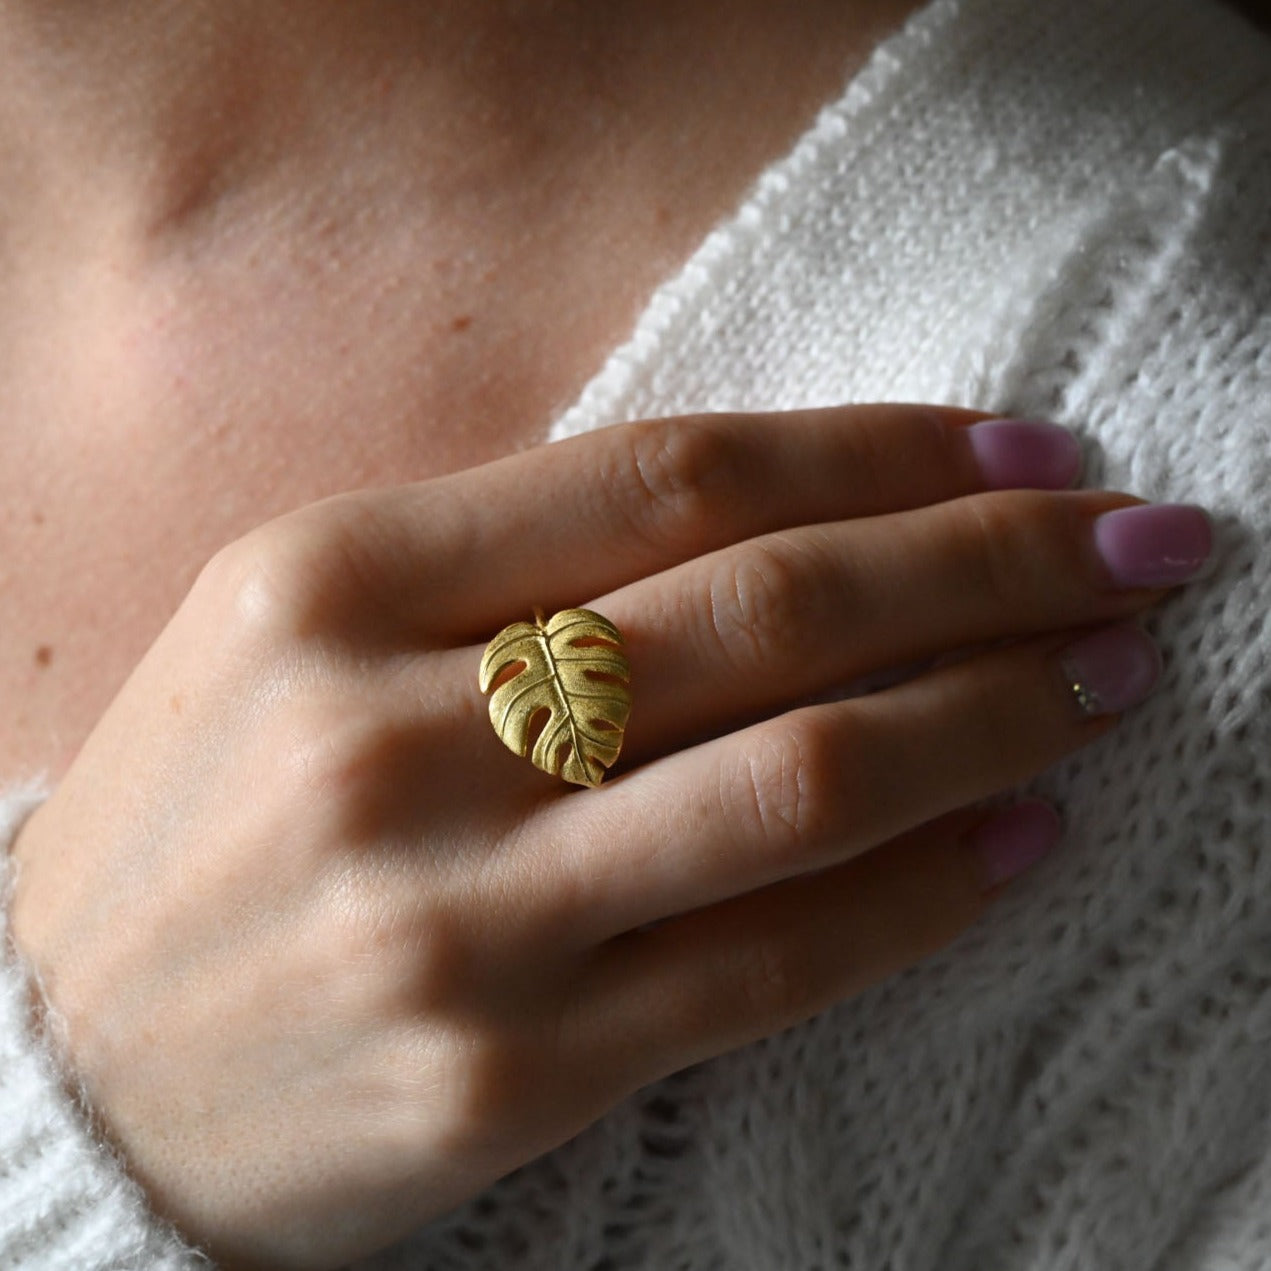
(65, 1200)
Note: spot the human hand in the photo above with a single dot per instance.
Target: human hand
(331, 959)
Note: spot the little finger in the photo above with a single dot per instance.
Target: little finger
(820, 784)
(718, 978)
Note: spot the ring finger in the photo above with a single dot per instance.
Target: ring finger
(817, 785)
(757, 627)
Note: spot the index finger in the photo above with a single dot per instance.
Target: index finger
(557, 525)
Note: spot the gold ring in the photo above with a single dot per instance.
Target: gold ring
(560, 691)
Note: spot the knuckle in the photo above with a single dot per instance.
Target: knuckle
(456, 1083)
(332, 750)
(523, 1072)
(501, 1075)
(943, 446)
(266, 586)
(791, 784)
(880, 447)
(501, 1087)
(224, 572)
(758, 604)
(289, 579)
(772, 981)
(995, 537)
(671, 478)
(441, 960)
(349, 765)
(419, 951)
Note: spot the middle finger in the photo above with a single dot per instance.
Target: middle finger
(748, 630)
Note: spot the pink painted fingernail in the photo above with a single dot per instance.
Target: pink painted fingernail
(1025, 453)
(1010, 842)
(1111, 670)
(1155, 545)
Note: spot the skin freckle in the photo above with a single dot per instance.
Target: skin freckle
(43, 655)
(462, 322)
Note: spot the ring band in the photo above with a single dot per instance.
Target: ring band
(560, 692)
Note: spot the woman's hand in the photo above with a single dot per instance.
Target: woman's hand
(331, 959)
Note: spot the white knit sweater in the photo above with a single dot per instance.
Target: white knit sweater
(1046, 207)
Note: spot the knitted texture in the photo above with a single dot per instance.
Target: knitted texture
(1042, 207)
(65, 1204)
(1056, 208)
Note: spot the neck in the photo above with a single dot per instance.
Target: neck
(151, 114)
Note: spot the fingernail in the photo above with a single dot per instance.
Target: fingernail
(1112, 669)
(1008, 843)
(1156, 545)
(1025, 453)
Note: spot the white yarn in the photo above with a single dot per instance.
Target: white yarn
(65, 1204)
(1045, 207)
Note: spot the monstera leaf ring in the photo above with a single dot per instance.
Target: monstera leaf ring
(560, 692)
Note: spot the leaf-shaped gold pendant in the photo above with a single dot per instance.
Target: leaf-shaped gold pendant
(571, 667)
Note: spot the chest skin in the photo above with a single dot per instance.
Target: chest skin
(153, 416)
(339, 325)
